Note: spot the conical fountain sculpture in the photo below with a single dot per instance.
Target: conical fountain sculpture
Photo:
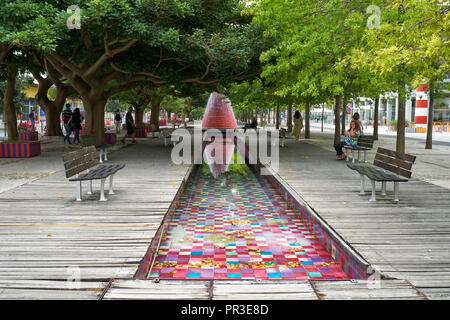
(219, 113)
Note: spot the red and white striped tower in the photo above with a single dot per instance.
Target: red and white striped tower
(421, 120)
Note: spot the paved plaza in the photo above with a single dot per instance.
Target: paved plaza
(49, 239)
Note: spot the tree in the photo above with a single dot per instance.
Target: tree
(52, 107)
(124, 44)
(312, 38)
(20, 22)
(410, 47)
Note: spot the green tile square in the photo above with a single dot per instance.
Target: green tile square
(314, 274)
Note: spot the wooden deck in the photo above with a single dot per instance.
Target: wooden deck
(48, 240)
(259, 290)
(408, 240)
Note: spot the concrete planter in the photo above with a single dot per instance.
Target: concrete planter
(20, 149)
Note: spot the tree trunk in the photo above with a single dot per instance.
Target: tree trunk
(95, 117)
(400, 147)
(344, 112)
(289, 117)
(323, 112)
(8, 103)
(53, 123)
(278, 116)
(52, 109)
(156, 106)
(375, 118)
(429, 140)
(337, 131)
(139, 116)
(307, 119)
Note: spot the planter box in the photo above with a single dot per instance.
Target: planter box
(110, 138)
(140, 133)
(148, 127)
(28, 136)
(20, 149)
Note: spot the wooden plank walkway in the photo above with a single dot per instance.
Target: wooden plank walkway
(47, 239)
(259, 290)
(408, 240)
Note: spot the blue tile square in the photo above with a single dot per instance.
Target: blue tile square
(193, 275)
(234, 275)
(274, 274)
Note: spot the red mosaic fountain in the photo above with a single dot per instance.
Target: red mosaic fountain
(219, 113)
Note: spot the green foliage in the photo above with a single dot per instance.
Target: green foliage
(235, 169)
(22, 82)
(113, 104)
(411, 44)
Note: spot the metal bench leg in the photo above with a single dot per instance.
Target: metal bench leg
(373, 198)
(102, 190)
(78, 190)
(383, 188)
(111, 178)
(396, 191)
(101, 156)
(359, 155)
(106, 154)
(165, 141)
(361, 192)
(346, 158)
(89, 190)
(353, 156)
(365, 156)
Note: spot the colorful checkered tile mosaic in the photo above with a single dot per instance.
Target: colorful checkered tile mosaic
(239, 227)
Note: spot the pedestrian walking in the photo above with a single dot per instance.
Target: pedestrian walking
(66, 115)
(298, 125)
(75, 122)
(129, 122)
(32, 119)
(118, 121)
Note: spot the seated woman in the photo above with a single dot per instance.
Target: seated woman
(350, 139)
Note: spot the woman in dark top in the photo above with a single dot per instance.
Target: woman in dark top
(75, 122)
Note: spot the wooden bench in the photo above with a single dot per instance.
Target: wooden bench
(387, 166)
(365, 143)
(88, 140)
(167, 135)
(76, 162)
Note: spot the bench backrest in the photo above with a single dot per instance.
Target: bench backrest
(166, 132)
(365, 141)
(80, 160)
(400, 164)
